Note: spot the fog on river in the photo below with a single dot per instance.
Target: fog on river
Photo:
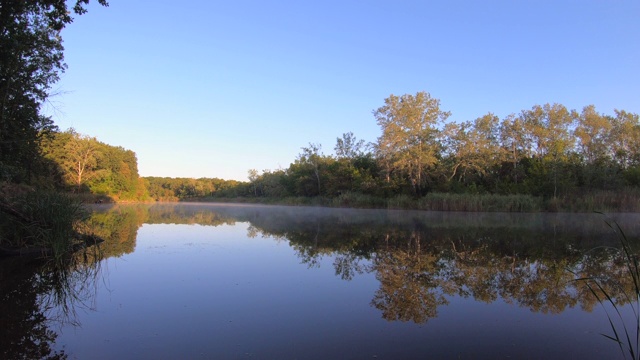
(273, 282)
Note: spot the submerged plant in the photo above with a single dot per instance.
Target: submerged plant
(625, 333)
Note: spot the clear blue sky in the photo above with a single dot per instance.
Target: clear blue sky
(215, 88)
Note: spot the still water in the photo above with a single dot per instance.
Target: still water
(211, 281)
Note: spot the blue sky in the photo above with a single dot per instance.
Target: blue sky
(215, 88)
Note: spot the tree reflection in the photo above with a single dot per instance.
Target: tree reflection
(409, 283)
(419, 264)
(38, 295)
(420, 259)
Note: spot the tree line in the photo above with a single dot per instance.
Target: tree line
(547, 151)
(82, 164)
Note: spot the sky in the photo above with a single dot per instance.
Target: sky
(214, 88)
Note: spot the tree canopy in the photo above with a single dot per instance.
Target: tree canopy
(31, 60)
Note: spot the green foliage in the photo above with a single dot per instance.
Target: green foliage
(87, 165)
(544, 158)
(42, 219)
(31, 60)
(480, 202)
(175, 189)
(409, 144)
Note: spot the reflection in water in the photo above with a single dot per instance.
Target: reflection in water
(420, 258)
(421, 261)
(39, 296)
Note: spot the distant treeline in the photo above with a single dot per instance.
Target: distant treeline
(564, 158)
(544, 158)
(175, 189)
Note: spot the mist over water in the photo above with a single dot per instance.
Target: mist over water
(244, 281)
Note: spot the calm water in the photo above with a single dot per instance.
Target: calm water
(206, 281)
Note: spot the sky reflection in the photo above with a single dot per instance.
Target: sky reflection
(240, 290)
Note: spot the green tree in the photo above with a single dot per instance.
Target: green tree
(31, 60)
(348, 147)
(548, 127)
(591, 132)
(253, 178)
(474, 147)
(80, 159)
(311, 157)
(409, 141)
(624, 139)
(516, 145)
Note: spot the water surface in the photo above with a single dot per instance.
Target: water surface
(237, 281)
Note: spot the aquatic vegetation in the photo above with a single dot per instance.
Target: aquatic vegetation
(625, 332)
(44, 223)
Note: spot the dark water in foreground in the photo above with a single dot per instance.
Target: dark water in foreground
(198, 281)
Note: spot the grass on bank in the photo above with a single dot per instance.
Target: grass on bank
(604, 201)
(45, 223)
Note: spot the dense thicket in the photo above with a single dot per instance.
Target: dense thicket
(547, 151)
(31, 60)
(174, 189)
(83, 164)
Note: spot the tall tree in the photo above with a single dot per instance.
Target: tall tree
(311, 157)
(548, 127)
(253, 179)
(31, 60)
(592, 132)
(474, 146)
(410, 129)
(625, 139)
(348, 147)
(516, 145)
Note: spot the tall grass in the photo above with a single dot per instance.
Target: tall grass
(44, 220)
(625, 333)
(479, 202)
(625, 200)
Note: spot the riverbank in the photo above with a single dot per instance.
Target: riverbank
(602, 201)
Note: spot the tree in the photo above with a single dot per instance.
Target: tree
(625, 139)
(31, 60)
(591, 132)
(311, 157)
(409, 141)
(548, 128)
(474, 146)
(253, 178)
(348, 147)
(82, 159)
(515, 143)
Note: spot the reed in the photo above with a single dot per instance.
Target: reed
(357, 200)
(624, 200)
(479, 202)
(44, 220)
(625, 333)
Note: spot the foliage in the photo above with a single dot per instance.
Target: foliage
(31, 60)
(88, 165)
(174, 189)
(544, 158)
(48, 221)
(410, 130)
